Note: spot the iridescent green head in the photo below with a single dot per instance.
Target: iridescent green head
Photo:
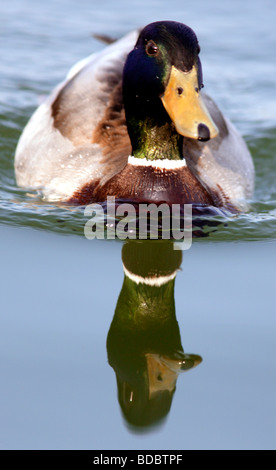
(162, 79)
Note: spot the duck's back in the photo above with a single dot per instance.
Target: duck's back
(79, 133)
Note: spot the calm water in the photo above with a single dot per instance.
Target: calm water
(62, 294)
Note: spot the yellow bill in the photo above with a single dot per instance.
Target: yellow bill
(185, 106)
(163, 371)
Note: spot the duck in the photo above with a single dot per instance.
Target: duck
(131, 121)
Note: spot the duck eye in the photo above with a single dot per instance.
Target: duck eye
(151, 48)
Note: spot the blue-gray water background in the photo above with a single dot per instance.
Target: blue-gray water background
(59, 291)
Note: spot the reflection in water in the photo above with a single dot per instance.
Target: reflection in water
(143, 344)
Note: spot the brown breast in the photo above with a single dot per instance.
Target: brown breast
(147, 184)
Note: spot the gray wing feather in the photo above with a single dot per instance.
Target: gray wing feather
(224, 164)
(56, 152)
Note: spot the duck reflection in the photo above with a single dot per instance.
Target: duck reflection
(143, 344)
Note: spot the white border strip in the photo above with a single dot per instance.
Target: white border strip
(149, 281)
(167, 164)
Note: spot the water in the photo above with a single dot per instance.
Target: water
(59, 291)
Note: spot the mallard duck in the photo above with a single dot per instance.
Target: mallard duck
(132, 122)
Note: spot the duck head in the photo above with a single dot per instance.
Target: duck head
(162, 80)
